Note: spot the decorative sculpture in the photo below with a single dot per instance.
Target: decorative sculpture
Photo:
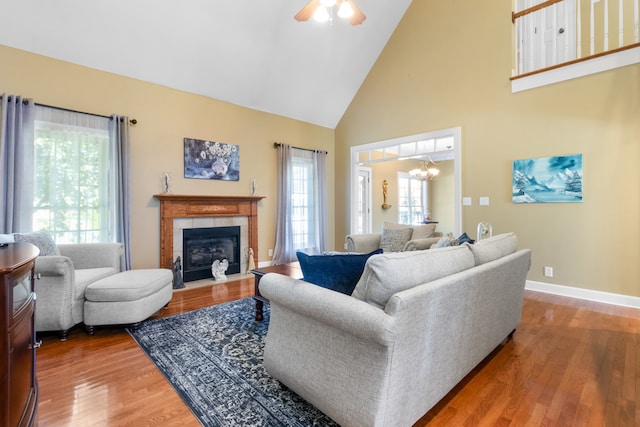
(251, 264)
(166, 181)
(485, 230)
(385, 192)
(178, 283)
(218, 269)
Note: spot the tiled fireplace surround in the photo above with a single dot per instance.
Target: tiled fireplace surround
(178, 212)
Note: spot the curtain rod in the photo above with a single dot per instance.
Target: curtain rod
(278, 144)
(132, 121)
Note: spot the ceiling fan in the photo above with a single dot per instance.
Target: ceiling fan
(322, 11)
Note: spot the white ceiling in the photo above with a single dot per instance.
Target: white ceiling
(246, 52)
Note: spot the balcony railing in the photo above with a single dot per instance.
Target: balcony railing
(572, 38)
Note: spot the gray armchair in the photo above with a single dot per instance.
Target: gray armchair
(62, 279)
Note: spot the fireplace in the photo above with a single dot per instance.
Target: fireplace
(179, 212)
(202, 246)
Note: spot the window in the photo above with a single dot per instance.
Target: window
(302, 201)
(363, 223)
(73, 175)
(412, 197)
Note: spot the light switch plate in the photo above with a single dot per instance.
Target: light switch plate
(466, 201)
(484, 201)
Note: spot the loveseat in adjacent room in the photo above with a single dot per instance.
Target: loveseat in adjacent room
(395, 238)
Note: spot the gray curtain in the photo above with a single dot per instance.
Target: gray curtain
(285, 250)
(320, 162)
(16, 181)
(119, 133)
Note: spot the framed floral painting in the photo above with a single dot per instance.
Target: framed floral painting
(211, 160)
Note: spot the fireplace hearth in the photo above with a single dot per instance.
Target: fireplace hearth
(202, 246)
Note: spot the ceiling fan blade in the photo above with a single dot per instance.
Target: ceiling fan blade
(358, 17)
(307, 11)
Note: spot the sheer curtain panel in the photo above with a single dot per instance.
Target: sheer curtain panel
(301, 219)
(16, 156)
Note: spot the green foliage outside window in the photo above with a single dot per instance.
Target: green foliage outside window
(71, 173)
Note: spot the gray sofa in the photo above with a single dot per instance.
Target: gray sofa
(416, 324)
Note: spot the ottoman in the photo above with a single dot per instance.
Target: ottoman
(127, 298)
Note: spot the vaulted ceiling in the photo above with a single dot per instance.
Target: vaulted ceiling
(247, 52)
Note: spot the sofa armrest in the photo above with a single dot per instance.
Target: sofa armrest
(421, 244)
(334, 309)
(54, 265)
(93, 255)
(363, 243)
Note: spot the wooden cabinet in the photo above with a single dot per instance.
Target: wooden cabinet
(19, 388)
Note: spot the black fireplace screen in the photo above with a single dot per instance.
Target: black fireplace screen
(202, 246)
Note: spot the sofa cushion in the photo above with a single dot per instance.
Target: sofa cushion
(387, 274)
(393, 240)
(86, 276)
(336, 271)
(41, 239)
(419, 231)
(495, 247)
(130, 285)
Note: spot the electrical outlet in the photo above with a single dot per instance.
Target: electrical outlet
(548, 272)
(270, 252)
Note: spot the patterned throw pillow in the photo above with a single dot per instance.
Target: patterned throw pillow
(42, 240)
(442, 243)
(393, 240)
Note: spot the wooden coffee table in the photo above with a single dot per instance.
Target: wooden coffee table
(292, 270)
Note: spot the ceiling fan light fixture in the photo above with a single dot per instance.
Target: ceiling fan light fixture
(321, 14)
(325, 10)
(345, 11)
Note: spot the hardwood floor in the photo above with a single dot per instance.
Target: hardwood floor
(570, 363)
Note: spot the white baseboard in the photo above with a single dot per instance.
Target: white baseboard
(585, 294)
(262, 264)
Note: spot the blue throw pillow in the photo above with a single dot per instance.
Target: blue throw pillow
(339, 272)
(464, 238)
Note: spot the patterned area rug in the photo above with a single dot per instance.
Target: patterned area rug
(213, 358)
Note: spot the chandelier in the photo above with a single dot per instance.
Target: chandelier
(323, 11)
(427, 171)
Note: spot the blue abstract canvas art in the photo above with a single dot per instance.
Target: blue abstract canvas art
(548, 179)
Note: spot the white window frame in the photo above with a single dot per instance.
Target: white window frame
(416, 211)
(302, 203)
(359, 153)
